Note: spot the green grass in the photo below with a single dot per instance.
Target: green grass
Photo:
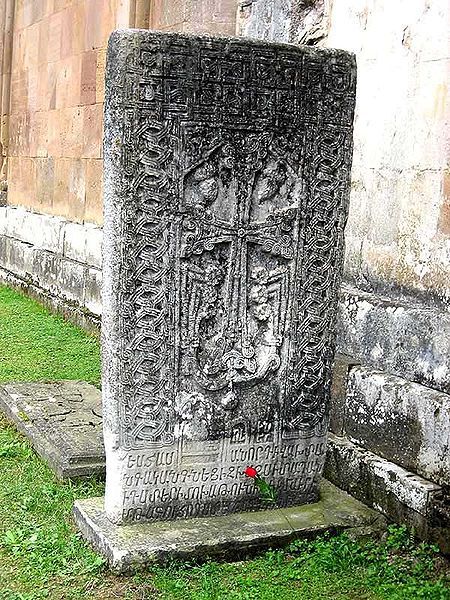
(43, 557)
(35, 345)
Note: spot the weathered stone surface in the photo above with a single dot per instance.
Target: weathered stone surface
(75, 241)
(375, 480)
(401, 454)
(74, 312)
(54, 260)
(407, 339)
(16, 255)
(82, 242)
(63, 421)
(284, 20)
(227, 165)
(129, 547)
(265, 19)
(400, 495)
(401, 421)
(339, 383)
(93, 291)
(43, 231)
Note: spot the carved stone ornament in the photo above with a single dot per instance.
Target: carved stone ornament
(227, 167)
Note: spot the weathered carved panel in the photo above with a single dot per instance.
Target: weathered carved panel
(227, 171)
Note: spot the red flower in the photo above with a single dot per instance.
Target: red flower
(251, 472)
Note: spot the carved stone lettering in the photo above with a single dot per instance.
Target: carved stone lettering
(227, 168)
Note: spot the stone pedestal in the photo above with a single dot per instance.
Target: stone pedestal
(227, 166)
(131, 547)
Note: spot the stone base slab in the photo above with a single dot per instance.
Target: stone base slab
(63, 422)
(128, 547)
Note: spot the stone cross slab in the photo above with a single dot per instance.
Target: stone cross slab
(227, 169)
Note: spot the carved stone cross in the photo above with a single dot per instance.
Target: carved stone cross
(232, 355)
(227, 166)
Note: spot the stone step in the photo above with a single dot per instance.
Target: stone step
(402, 496)
(403, 422)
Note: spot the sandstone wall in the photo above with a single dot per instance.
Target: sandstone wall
(57, 86)
(55, 123)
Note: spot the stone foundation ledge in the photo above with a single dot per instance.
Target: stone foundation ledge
(54, 260)
(400, 495)
(129, 547)
(55, 302)
(401, 337)
(403, 422)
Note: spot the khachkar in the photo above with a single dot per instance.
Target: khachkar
(227, 166)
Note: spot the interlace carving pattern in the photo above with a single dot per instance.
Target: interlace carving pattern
(236, 161)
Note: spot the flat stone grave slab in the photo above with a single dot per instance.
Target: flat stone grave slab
(129, 547)
(62, 420)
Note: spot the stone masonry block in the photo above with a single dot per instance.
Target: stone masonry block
(71, 131)
(42, 231)
(92, 291)
(58, 258)
(45, 181)
(339, 382)
(100, 75)
(373, 479)
(88, 77)
(76, 190)
(92, 131)
(94, 190)
(74, 241)
(16, 256)
(68, 83)
(63, 278)
(405, 339)
(43, 42)
(401, 421)
(3, 219)
(54, 37)
(82, 243)
(94, 239)
(400, 495)
(54, 120)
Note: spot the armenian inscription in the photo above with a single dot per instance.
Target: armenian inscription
(227, 167)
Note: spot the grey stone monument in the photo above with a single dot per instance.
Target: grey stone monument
(227, 169)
